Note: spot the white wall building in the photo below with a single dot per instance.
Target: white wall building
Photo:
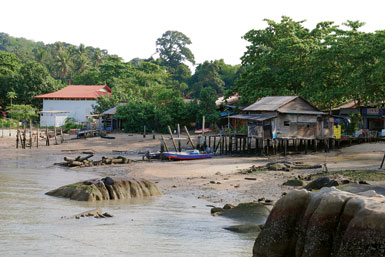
(73, 101)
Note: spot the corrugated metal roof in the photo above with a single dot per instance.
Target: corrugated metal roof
(79, 91)
(112, 111)
(270, 103)
(255, 117)
(303, 112)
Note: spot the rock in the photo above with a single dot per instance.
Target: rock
(328, 223)
(215, 210)
(293, 183)
(332, 183)
(278, 166)
(318, 183)
(345, 181)
(244, 228)
(107, 189)
(228, 206)
(249, 212)
(363, 182)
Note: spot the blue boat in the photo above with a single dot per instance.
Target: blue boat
(187, 155)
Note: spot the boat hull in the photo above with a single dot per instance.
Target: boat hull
(180, 156)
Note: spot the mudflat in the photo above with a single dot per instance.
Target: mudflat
(222, 179)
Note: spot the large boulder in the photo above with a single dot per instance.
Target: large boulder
(108, 188)
(246, 212)
(328, 223)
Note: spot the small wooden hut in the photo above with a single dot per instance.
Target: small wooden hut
(285, 117)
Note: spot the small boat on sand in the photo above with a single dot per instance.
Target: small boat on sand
(199, 131)
(187, 155)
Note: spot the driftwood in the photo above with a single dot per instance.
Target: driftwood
(80, 161)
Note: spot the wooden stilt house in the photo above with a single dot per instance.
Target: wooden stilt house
(285, 117)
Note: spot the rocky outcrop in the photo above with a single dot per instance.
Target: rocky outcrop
(246, 212)
(109, 188)
(327, 223)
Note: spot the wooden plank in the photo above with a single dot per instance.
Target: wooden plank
(172, 138)
(189, 137)
(164, 143)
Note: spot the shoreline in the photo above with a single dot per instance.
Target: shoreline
(218, 180)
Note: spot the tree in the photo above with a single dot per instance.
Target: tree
(11, 95)
(206, 75)
(276, 60)
(9, 67)
(22, 112)
(33, 79)
(207, 105)
(173, 50)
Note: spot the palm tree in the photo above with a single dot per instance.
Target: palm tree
(11, 95)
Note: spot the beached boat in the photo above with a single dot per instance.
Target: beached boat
(199, 131)
(187, 155)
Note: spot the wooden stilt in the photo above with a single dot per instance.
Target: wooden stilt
(30, 134)
(55, 131)
(164, 143)
(172, 138)
(189, 137)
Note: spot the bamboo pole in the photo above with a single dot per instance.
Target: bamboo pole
(179, 143)
(55, 136)
(47, 137)
(172, 138)
(165, 145)
(189, 137)
(203, 125)
(37, 137)
(17, 138)
(30, 134)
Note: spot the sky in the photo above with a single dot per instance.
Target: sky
(130, 28)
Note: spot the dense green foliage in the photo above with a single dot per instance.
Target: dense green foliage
(327, 65)
(22, 112)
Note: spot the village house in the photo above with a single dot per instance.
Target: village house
(74, 101)
(285, 117)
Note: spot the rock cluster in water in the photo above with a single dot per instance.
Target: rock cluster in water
(328, 223)
(108, 188)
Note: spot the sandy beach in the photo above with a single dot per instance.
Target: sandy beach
(218, 180)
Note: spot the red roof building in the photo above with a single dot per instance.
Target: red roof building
(78, 92)
(73, 101)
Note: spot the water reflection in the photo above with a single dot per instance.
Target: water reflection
(31, 222)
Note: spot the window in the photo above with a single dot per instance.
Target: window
(286, 123)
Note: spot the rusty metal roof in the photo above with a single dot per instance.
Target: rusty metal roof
(254, 117)
(303, 112)
(270, 103)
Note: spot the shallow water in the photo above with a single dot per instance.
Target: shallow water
(31, 223)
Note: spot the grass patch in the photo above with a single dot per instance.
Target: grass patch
(356, 175)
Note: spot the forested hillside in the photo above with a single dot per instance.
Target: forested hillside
(327, 65)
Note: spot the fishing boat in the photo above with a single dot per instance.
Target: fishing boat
(187, 155)
(199, 131)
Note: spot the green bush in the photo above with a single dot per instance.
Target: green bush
(6, 123)
(70, 124)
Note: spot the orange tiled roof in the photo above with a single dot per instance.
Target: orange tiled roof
(79, 91)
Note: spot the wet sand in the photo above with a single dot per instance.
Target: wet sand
(217, 180)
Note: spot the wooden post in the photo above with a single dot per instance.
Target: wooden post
(24, 135)
(61, 136)
(306, 141)
(144, 131)
(17, 138)
(236, 143)
(30, 134)
(189, 137)
(315, 145)
(209, 141)
(172, 138)
(2, 128)
(55, 135)
(47, 136)
(203, 125)
(215, 139)
(231, 144)
(179, 141)
(222, 144)
(37, 137)
(165, 145)
(285, 143)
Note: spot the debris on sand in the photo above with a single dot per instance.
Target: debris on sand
(281, 166)
(96, 213)
(85, 162)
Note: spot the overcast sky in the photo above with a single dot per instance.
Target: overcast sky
(130, 28)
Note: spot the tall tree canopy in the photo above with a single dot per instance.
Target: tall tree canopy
(173, 49)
